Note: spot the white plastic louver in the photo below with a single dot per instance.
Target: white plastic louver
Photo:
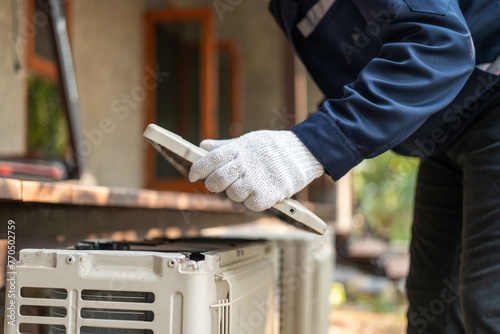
(251, 303)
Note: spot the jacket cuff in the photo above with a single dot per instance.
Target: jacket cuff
(328, 144)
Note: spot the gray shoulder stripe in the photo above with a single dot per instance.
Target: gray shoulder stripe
(313, 16)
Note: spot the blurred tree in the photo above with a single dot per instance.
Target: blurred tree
(384, 188)
(47, 126)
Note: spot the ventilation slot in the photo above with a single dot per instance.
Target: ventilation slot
(29, 292)
(42, 311)
(42, 329)
(118, 296)
(111, 314)
(104, 330)
(117, 314)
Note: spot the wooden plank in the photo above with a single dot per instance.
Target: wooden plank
(47, 192)
(68, 193)
(11, 189)
(124, 197)
(90, 195)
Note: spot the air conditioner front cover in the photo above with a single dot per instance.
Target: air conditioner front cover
(224, 291)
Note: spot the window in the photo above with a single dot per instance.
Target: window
(47, 135)
(188, 100)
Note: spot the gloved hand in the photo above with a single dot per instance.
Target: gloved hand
(260, 168)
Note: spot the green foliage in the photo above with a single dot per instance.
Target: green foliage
(384, 189)
(379, 303)
(47, 127)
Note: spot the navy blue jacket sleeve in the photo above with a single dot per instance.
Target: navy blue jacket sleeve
(426, 57)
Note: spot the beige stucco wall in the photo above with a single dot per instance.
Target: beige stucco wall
(12, 85)
(314, 95)
(109, 65)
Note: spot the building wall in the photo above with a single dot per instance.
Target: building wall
(12, 84)
(314, 95)
(109, 65)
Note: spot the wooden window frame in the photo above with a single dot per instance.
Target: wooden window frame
(208, 90)
(41, 66)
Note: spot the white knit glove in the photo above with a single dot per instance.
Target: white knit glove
(260, 168)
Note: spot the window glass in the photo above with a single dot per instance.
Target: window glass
(178, 96)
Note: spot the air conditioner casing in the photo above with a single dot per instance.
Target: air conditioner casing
(306, 271)
(230, 287)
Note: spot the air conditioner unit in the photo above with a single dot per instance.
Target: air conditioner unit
(306, 271)
(188, 286)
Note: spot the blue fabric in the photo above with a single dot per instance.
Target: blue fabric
(389, 70)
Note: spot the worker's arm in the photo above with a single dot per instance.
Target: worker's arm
(424, 61)
(426, 57)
